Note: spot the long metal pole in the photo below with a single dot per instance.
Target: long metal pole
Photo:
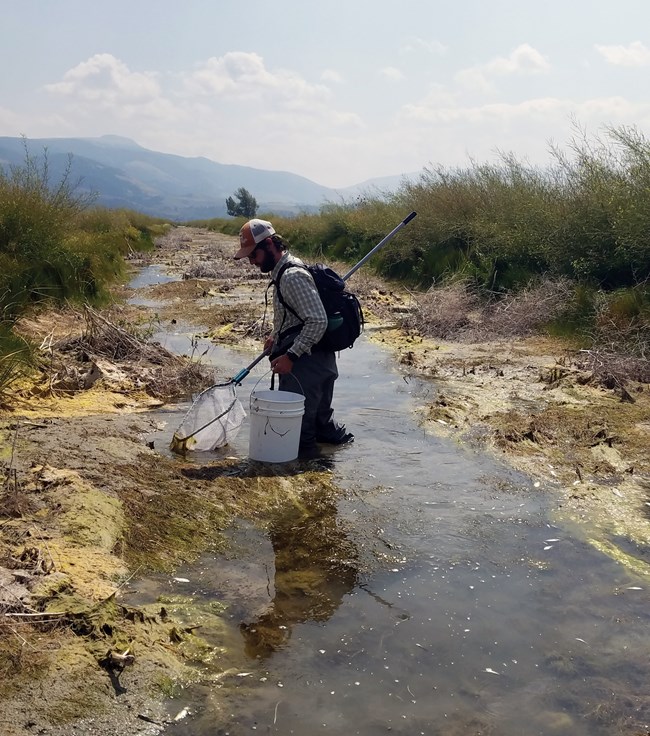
(379, 245)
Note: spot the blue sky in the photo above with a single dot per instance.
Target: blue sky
(339, 91)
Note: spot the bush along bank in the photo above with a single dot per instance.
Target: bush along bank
(56, 248)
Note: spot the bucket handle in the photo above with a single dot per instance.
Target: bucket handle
(295, 378)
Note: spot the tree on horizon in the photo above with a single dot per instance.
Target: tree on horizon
(245, 206)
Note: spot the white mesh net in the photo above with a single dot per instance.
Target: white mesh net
(212, 421)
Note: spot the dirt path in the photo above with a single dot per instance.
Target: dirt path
(87, 504)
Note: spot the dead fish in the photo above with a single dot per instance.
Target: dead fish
(182, 714)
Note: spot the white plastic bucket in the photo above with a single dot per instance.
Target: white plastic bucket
(275, 421)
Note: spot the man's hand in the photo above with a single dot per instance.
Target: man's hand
(282, 365)
(268, 343)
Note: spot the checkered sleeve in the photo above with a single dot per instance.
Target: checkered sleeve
(300, 293)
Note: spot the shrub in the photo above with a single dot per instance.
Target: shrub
(53, 246)
(124, 231)
(36, 220)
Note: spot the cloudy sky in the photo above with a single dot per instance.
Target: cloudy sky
(339, 91)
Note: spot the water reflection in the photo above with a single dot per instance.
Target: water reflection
(315, 567)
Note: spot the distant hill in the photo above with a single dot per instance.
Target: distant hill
(124, 174)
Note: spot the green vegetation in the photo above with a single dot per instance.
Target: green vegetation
(54, 246)
(586, 218)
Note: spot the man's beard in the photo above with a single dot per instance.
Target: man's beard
(268, 263)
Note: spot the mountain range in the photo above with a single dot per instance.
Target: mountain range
(122, 173)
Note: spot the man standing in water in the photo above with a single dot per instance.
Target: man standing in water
(299, 322)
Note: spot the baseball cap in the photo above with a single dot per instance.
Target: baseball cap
(251, 235)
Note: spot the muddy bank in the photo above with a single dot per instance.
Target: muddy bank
(93, 507)
(87, 504)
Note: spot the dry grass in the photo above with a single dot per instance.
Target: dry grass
(445, 312)
(613, 369)
(528, 311)
(456, 311)
(221, 269)
(23, 654)
(619, 349)
(173, 241)
(103, 338)
(13, 502)
(105, 351)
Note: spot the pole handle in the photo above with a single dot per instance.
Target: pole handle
(245, 371)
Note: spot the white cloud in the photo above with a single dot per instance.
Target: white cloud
(245, 113)
(634, 54)
(391, 73)
(251, 113)
(475, 79)
(238, 108)
(232, 108)
(9, 120)
(104, 86)
(522, 61)
(437, 96)
(614, 109)
(103, 76)
(449, 135)
(331, 75)
(238, 75)
(435, 48)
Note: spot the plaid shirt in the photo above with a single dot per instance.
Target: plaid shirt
(300, 293)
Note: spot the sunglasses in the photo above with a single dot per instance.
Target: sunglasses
(253, 254)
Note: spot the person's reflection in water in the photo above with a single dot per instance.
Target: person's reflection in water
(315, 566)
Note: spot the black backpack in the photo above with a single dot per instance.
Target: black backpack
(344, 314)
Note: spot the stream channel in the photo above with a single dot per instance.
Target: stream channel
(444, 596)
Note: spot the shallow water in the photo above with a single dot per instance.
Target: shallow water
(436, 596)
(150, 276)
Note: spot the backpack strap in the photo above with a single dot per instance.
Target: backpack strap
(276, 282)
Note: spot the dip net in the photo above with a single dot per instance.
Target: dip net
(212, 421)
